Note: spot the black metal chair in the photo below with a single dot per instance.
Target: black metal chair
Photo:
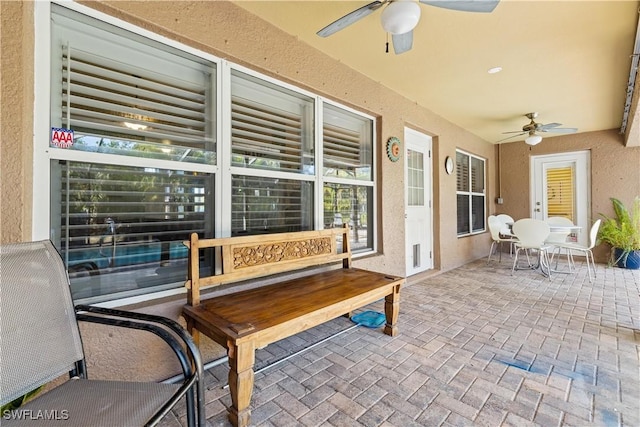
(40, 341)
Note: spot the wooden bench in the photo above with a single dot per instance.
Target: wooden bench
(246, 320)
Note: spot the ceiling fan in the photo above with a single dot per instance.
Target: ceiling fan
(532, 127)
(400, 17)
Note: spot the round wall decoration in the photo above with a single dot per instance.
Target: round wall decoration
(393, 149)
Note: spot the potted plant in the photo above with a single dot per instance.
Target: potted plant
(623, 234)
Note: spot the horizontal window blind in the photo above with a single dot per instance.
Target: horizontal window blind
(341, 148)
(347, 144)
(560, 192)
(464, 221)
(104, 97)
(264, 137)
(470, 189)
(116, 217)
(268, 205)
(462, 172)
(271, 126)
(477, 175)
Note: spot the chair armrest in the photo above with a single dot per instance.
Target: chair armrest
(190, 362)
(174, 326)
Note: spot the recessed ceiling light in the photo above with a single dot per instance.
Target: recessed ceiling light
(494, 70)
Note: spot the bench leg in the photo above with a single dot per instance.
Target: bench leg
(391, 310)
(195, 334)
(241, 360)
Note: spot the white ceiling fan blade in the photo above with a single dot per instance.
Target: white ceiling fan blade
(350, 18)
(402, 42)
(559, 130)
(516, 131)
(512, 136)
(549, 125)
(482, 6)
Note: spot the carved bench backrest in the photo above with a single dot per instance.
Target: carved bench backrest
(250, 257)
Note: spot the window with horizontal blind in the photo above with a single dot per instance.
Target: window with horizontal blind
(347, 146)
(121, 228)
(121, 201)
(560, 192)
(470, 193)
(131, 97)
(271, 134)
(271, 126)
(143, 172)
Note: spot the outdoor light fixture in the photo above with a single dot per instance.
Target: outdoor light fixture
(533, 139)
(400, 16)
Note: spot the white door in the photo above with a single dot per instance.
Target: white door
(418, 210)
(560, 186)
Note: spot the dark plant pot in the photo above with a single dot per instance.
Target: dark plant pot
(629, 260)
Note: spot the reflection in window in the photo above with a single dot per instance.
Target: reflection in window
(348, 174)
(352, 205)
(121, 228)
(270, 205)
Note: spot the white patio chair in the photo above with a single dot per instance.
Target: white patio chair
(587, 250)
(507, 223)
(495, 227)
(41, 342)
(559, 236)
(531, 234)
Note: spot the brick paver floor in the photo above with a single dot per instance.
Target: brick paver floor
(476, 346)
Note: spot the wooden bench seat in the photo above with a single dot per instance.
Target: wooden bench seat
(250, 319)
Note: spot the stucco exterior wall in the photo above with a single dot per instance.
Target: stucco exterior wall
(615, 172)
(16, 120)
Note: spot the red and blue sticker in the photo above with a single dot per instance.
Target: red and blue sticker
(61, 138)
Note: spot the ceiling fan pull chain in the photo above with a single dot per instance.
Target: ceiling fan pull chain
(387, 44)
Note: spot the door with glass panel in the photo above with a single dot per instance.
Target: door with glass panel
(418, 211)
(560, 187)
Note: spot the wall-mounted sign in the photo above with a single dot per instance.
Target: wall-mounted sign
(61, 138)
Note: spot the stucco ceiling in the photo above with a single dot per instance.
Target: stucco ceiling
(567, 60)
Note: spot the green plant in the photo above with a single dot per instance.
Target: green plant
(623, 231)
(15, 404)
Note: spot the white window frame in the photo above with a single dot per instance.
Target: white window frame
(346, 181)
(471, 194)
(43, 154)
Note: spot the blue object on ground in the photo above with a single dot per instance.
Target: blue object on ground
(370, 319)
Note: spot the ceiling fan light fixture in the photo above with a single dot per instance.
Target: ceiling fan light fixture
(533, 139)
(400, 16)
